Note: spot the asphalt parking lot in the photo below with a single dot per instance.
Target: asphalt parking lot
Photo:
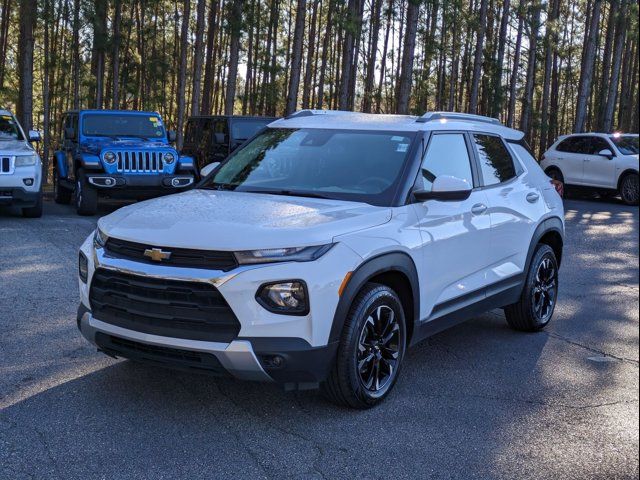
(477, 401)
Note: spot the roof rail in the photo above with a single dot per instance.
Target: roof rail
(311, 112)
(431, 116)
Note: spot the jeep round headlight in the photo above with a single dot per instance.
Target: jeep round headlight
(109, 157)
(169, 158)
(26, 160)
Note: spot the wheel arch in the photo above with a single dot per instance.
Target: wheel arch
(628, 171)
(549, 232)
(393, 269)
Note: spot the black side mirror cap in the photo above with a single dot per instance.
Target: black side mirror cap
(171, 136)
(455, 195)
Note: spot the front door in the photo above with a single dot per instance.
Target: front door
(599, 171)
(455, 234)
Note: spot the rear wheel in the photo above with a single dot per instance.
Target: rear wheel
(86, 195)
(538, 299)
(371, 349)
(629, 189)
(61, 194)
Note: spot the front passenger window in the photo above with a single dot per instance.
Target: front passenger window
(447, 155)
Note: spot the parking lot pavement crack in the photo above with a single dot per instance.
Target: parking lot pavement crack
(591, 349)
(543, 403)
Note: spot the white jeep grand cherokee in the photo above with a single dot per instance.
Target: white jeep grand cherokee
(324, 247)
(20, 167)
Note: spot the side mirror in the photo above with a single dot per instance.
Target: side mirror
(172, 136)
(69, 133)
(606, 153)
(34, 136)
(207, 169)
(445, 188)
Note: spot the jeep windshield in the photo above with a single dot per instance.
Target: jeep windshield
(627, 144)
(9, 129)
(126, 125)
(354, 165)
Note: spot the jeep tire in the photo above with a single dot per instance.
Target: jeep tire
(61, 194)
(538, 299)
(370, 349)
(86, 195)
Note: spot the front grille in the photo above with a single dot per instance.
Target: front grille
(180, 257)
(5, 165)
(122, 347)
(169, 308)
(138, 161)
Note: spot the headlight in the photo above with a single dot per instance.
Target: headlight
(109, 157)
(169, 158)
(270, 255)
(83, 267)
(26, 160)
(99, 239)
(288, 298)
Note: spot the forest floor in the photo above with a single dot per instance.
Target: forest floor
(477, 401)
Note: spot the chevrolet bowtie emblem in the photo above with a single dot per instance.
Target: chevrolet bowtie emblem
(157, 254)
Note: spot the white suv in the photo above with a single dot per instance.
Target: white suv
(20, 167)
(324, 247)
(607, 163)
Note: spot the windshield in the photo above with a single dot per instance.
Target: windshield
(346, 165)
(242, 129)
(9, 129)
(127, 125)
(627, 144)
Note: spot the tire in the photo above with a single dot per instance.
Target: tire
(538, 299)
(361, 345)
(61, 194)
(36, 210)
(629, 189)
(86, 195)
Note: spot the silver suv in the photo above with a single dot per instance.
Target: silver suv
(20, 167)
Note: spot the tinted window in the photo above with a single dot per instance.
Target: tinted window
(594, 145)
(627, 144)
(242, 129)
(447, 155)
(127, 125)
(347, 165)
(495, 160)
(570, 145)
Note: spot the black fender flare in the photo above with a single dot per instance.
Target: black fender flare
(386, 262)
(551, 224)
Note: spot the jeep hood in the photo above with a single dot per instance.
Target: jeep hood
(96, 145)
(222, 220)
(15, 147)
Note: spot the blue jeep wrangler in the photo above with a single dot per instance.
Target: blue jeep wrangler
(116, 154)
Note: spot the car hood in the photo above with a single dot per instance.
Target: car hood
(15, 147)
(222, 220)
(96, 146)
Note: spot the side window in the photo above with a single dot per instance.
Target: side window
(598, 144)
(567, 145)
(495, 160)
(447, 155)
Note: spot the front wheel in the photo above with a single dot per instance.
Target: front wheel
(86, 195)
(538, 299)
(371, 349)
(629, 189)
(61, 194)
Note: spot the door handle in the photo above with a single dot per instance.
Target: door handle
(478, 209)
(532, 197)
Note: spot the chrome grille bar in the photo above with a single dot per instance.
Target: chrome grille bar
(138, 161)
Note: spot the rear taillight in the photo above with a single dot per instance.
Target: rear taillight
(559, 186)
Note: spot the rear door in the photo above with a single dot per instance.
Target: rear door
(570, 158)
(599, 170)
(516, 204)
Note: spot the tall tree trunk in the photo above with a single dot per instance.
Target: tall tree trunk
(614, 81)
(325, 53)
(552, 18)
(477, 61)
(100, 40)
(514, 70)
(28, 11)
(235, 27)
(498, 95)
(251, 22)
(296, 58)
(605, 69)
(404, 82)
(182, 71)
(589, 58)
(369, 80)
(383, 62)
(4, 38)
(198, 55)
(308, 72)
(353, 24)
(210, 60)
(527, 99)
(76, 54)
(115, 55)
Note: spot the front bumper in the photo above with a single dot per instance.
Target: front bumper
(18, 197)
(146, 183)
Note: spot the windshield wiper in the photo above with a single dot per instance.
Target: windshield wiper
(289, 193)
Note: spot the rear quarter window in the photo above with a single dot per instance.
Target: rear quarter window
(496, 164)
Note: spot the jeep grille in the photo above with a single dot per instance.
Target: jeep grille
(140, 161)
